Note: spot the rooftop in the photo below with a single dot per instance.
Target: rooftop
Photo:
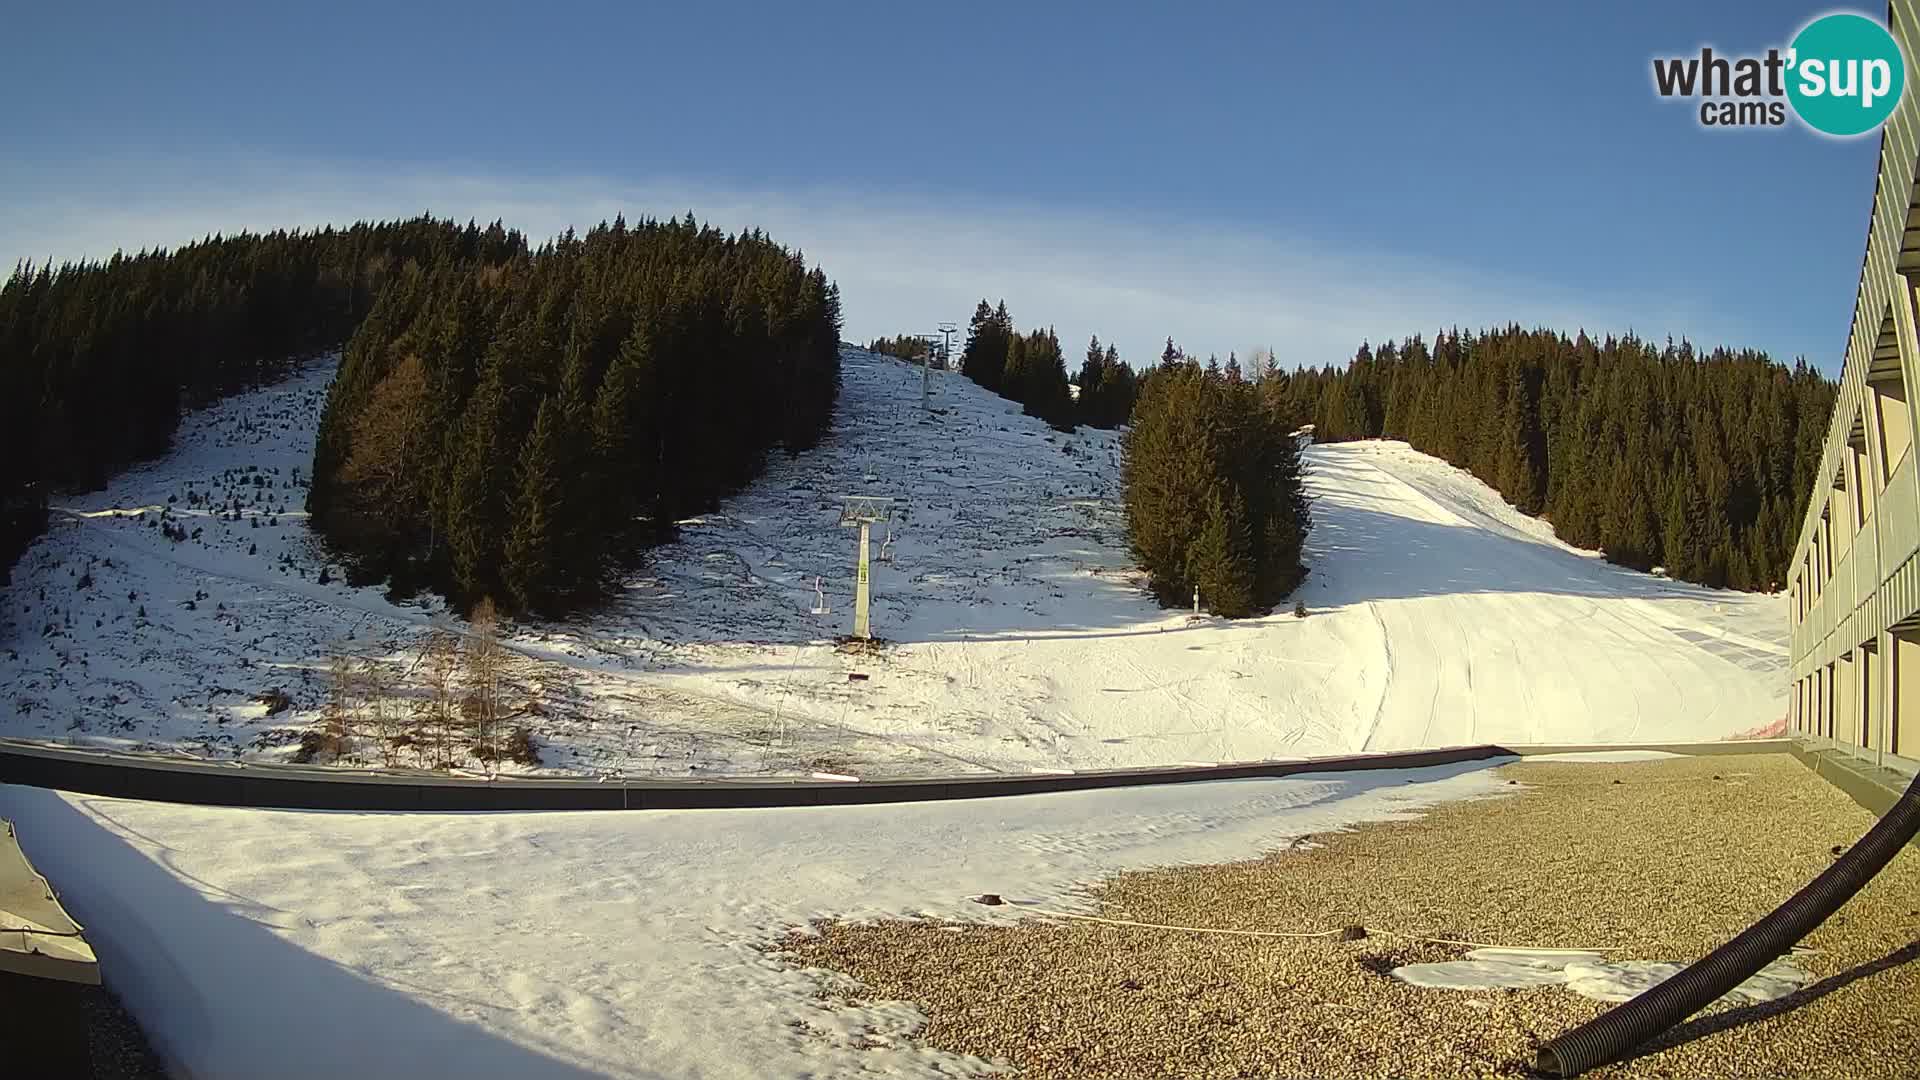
(1646, 860)
(37, 936)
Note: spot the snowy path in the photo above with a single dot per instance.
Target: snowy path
(265, 943)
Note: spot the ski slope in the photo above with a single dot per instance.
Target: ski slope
(1021, 638)
(1485, 628)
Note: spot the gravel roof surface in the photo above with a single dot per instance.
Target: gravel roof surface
(1650, 860)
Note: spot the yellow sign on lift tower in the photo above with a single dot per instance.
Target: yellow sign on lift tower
(864, 510)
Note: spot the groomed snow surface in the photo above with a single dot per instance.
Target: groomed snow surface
(1022, 638)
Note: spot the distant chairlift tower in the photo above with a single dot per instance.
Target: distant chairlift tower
(864, 510)
(946, 332)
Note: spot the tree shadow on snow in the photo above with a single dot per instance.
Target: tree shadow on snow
(220, 995)
(1360, 554)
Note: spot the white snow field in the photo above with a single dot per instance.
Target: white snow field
(256, 943)
(1022, 638)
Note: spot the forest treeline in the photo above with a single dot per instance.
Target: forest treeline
(1215, 499)
(1030, 369)
(1700, 462)
(516, 430)
(99, 358)
(905, 347)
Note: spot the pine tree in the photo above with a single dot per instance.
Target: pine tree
(988, 339)
(1043, 383)
(624, 439)
(533, 564)
(1213, 490)
(1220, 559)
(1119, 390)
(475, 503)
(1092, 405)
(1013, 372)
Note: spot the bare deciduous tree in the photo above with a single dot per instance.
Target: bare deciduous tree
(442, 704)
(339, 722)
(1261, 364)
(484, 663)
(386, 713)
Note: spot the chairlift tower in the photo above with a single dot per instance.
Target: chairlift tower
(947, 330)
(864, 510)
(926, 374)
(945, 334)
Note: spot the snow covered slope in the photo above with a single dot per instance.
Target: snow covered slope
(1022, 639)
(1487, 628)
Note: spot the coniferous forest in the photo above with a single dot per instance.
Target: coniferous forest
(1027, 368)
(1699, 462)
(97, 359)
(505, 422)
(1107, 387)
(905, 347)
(1214, 493)
(517, 430)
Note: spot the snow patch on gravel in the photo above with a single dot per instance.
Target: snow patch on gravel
(1588, 974)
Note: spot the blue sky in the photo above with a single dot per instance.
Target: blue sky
(1232, 175)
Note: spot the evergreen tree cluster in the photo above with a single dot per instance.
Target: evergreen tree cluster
(1107, 387)
(1700, 462)
(1214, 493)
(905, 347)
(1027, 368)
(989, 336)
(516, 430)
(97, 359)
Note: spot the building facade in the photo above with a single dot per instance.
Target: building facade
(1854, 583)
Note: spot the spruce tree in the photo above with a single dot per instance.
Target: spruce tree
(1119, 388)
(1213, 493)
(532, 564)
(984, 357)
(1044, 390)
(475, 502)
(1091, 406)
(1013, 371)
(1220, 558)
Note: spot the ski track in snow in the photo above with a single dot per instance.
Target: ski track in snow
(1023, 638)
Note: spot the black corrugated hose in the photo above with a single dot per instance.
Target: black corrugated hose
(1614, 1034)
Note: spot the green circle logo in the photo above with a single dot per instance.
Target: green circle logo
(1845, 74)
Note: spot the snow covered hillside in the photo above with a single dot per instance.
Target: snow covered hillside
(1021, 638)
